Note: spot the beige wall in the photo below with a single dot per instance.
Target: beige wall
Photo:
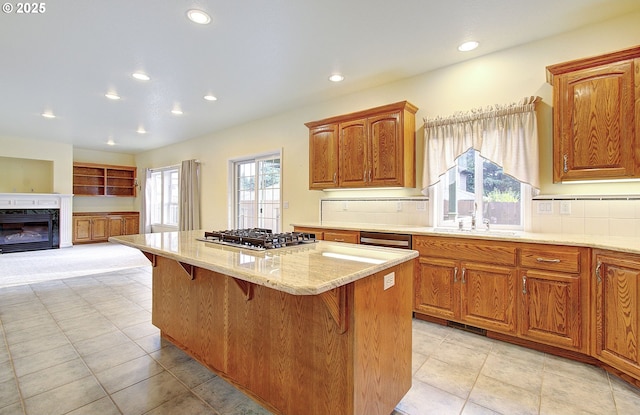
(501, 78)
(103, 204)
(60, 154)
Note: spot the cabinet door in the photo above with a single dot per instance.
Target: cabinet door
(131, 224)
(81, 229)
(354, 153)
(99, 229)
(436, 288)
(323, 157)
(551, 311)
(594, 123)
(386, 161)
(488, 296)
(618, 311)
(116, 226)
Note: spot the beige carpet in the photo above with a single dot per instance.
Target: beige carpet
(19, 268)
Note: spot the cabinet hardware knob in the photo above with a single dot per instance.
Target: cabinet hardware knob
(464, 271)
(455, 275)
(335, 174)
(364, 175)
(524, 284)
(566, 163)
(369, 175)
(338, 240)
(552, 261)
(598, 275)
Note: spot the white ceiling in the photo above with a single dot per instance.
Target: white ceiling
(258, 57)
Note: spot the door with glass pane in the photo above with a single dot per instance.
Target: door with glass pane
(257, 199)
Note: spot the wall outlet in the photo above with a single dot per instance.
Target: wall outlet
(399, 207)
(345, 205)
(544, 207)
(565, 207)
(285, 204)
(389, 280)
(421, 206)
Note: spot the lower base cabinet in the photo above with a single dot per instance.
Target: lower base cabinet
(98, 227)
(534, 292)
(617, 311)
(459, 280)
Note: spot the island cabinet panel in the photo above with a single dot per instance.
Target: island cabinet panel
(618, 311)
(346, 351)
(188, 311)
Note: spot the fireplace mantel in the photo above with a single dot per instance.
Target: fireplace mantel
(44, 201)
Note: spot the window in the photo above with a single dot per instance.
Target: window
(478, 186)
(257, 193)
(164, 197)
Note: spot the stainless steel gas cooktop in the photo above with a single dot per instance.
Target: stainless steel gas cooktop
(258, 239)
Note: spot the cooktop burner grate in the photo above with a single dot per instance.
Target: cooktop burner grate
(258, 238)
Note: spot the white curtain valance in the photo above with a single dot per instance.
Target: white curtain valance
(505, 134)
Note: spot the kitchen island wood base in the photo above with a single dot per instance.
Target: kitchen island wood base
(345, 351)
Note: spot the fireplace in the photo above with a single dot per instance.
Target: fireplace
(29, 229)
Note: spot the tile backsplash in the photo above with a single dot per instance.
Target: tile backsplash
(406, 211)
(569, 214)
(606, 215)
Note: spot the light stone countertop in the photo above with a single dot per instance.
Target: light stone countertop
(307, 269)
(615, 243)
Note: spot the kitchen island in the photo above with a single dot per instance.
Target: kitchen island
(319, 328)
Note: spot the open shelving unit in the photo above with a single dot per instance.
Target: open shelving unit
(104, 180)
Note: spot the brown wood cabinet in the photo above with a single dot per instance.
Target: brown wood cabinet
(554, 288)
(335, 235)
(596, 121)
(372, 148)
(98, 226)
(534, 292)
(323, 156)
(91, 179)
(467, 281)
(617, 311)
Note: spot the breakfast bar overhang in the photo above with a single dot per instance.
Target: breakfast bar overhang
(321, 328)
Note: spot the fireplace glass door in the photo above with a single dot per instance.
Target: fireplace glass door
(25, 232)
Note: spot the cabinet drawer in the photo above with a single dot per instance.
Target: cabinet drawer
(551, 257)
(349, 237)
(494, 252)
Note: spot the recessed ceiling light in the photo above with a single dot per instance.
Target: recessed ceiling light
(112, 95)
(141, 76)
(48, 115)
(176, 111)
(198, 16)
(141, 130)
(210, 98)
(111, 142)
(336, 77)
(467, 46)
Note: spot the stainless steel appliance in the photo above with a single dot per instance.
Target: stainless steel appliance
(390, 240)
(258, 239)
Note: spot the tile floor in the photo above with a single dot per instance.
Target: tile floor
(85, 345)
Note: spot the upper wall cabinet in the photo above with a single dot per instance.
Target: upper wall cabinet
(371, 148)
(596, 116)
(103, 180)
